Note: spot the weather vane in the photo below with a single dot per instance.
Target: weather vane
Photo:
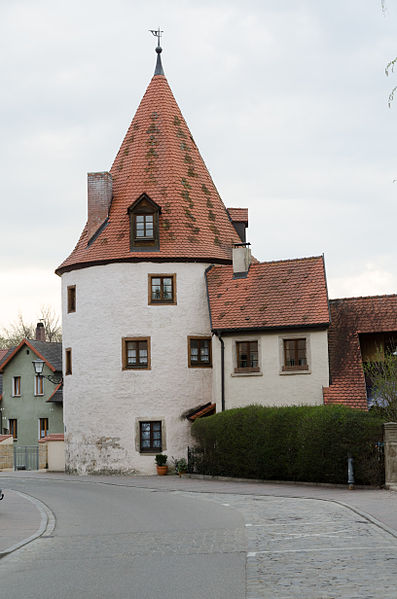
(157, 34)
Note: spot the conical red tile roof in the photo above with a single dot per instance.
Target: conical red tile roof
(159, 157)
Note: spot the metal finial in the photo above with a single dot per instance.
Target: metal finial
(159, 67)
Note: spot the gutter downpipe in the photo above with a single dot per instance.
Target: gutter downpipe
(218, 334)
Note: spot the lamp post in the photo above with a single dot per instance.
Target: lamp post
(38, 366)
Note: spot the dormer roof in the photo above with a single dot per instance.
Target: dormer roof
(159, 157)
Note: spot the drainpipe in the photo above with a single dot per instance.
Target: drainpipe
(218, 334)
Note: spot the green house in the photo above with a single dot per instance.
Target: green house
(31, 405)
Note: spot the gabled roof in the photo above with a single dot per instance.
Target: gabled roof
(239, 215)
(274, 295)
(349, 318)
(159, 157)
(49, 352)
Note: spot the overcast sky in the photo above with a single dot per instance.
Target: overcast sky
(287, 102)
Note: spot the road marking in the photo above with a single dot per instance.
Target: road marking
(294, 524)
(351, 548)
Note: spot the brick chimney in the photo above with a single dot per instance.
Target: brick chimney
(100, 188)
(40, 332)
(241, 259)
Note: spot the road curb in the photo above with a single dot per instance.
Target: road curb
(46, 527)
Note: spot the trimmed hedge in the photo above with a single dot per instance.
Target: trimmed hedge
(299, 443)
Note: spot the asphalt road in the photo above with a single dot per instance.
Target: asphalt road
(126, 542)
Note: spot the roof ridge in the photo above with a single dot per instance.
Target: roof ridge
(356, 297)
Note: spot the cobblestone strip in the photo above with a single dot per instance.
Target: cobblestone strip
(310, 549)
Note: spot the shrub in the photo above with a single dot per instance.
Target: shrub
(298, 443)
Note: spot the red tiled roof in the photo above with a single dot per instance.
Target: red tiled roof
(206, 410)
(239, 215)
(52, 437)
(349, 317)
(159, 157)
(288, 293)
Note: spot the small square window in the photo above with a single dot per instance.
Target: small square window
(68, 361)
(38, 385)
(136, 353)
(295, 355)
(16, 386)
(247, 356)
(162, 289)
(150, 436)
(199, 352)
(72, 298)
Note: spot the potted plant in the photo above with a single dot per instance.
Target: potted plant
(161, 464)
(180, 466)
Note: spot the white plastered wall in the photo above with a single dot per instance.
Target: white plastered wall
(271, 386)
(102, 402)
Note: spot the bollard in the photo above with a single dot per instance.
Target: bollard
(350, 473)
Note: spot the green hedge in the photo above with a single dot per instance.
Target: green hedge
(300, 443)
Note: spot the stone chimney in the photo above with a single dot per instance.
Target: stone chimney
(100, 188)
(241, 259)
(40, 332)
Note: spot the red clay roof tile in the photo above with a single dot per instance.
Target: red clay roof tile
(288, 293)
(349, 317)
(238, 215)
(159, 157)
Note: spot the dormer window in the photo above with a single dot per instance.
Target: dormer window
(144, 224)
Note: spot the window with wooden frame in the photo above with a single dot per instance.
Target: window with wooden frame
(150, 436)
(43, 427)
(199, 352)
(162, 289)
(72, 298)
(136, 353)
(16, 386)
(144, 224)
(13, 428)
(68, 361)
(247, 356)
(295, 354)
(38, 385)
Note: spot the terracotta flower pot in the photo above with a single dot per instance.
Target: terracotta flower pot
(162, 470)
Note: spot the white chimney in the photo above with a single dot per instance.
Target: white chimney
(241, 258)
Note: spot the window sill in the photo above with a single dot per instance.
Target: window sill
(150, 453)
(247, 373)
(297, 371)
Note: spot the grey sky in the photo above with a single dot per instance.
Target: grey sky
(287, 102)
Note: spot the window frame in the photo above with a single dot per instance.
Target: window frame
(13, 428)
(124, 353)
(150, 450)
(16, 386)
(144, 206)
(46, 428)
(38, 385)
(297, 367)
(246, 369)
(71, 298)
(199, 364)
(161, 301)
(68, 361)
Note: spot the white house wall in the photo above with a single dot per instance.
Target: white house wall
(271, 386)
(103, 403)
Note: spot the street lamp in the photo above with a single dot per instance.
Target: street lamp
(38, 366)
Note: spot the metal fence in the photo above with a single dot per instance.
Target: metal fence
(26, 457)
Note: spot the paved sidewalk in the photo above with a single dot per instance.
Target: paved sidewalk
(20, 519)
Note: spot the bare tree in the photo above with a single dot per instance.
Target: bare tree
(20, 329)
(382, 376)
